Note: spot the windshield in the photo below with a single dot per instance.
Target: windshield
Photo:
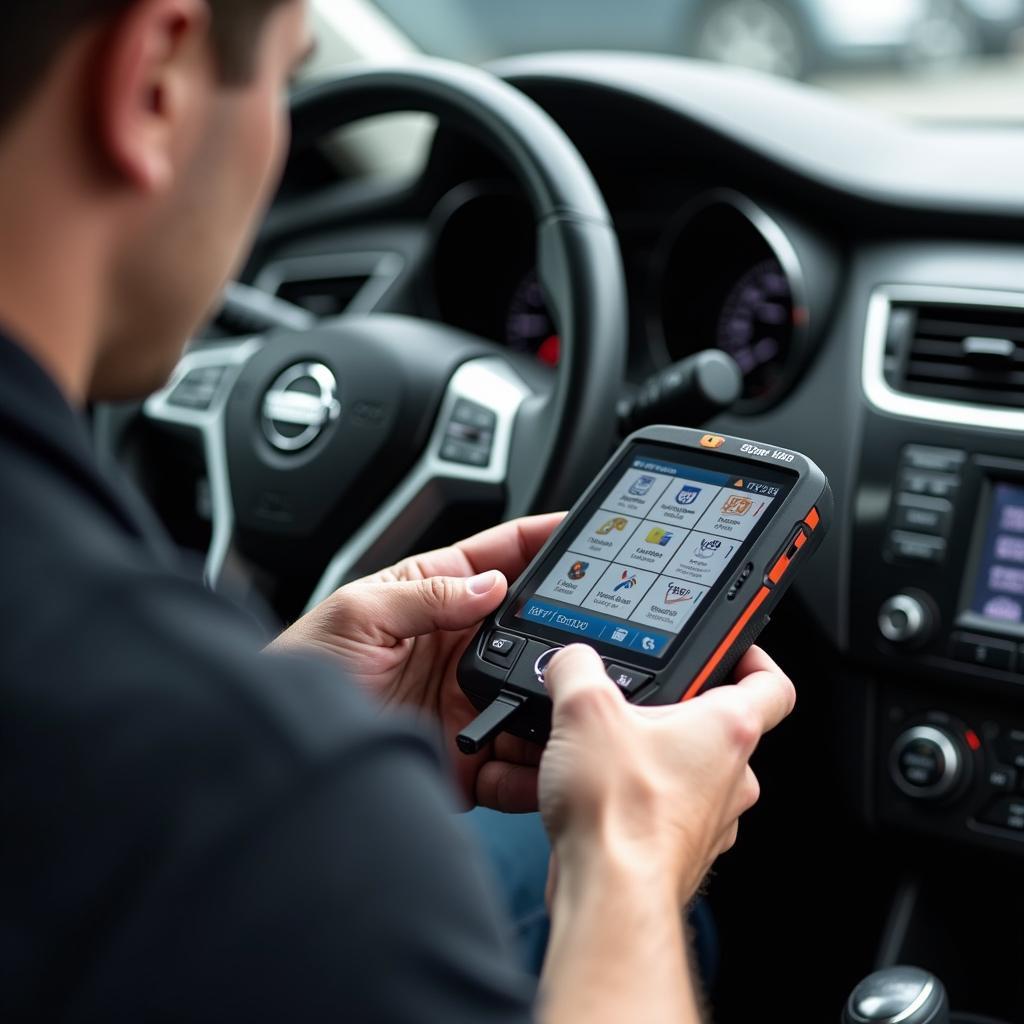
(940, 59)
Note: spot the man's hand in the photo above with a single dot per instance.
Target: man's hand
(661, 787)
(400, 635)
(639, 803)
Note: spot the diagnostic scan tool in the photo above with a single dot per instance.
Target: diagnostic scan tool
(668, 566)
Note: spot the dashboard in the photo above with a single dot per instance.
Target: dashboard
(868, 279)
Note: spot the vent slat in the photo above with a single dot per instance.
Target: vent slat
(934, 362)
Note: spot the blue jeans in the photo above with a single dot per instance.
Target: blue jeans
(518, 850)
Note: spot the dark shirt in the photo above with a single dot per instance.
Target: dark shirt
(192, 830)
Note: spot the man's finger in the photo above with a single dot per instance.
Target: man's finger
(417, 607)
(755, 660)
(511, 546)
(770, 694)
(573, 670)
(511, 788)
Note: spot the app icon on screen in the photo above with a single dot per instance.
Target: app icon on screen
(737, 506)
(649, 643)
(709, 546)
(660, 537)
(688, 495)
(676, 593)
(617, 523)
(642, 486)
(619, 635)
(628, 582)
(578, 570)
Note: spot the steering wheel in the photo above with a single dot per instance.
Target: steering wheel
(347, 436)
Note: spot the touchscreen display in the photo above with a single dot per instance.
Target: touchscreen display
(999, 583)
(650, 549)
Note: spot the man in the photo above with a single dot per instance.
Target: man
(195, 830)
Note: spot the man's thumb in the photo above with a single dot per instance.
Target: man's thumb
(419, 607)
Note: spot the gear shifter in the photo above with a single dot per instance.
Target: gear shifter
(908, 995)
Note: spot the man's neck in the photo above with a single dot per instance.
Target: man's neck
(51, 274)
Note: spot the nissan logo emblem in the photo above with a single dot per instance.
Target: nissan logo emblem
(299, 406)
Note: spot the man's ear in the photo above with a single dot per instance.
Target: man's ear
(155, 72)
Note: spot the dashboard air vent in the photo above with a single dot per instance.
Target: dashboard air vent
(957, 353)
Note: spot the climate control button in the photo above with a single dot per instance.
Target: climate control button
(927, 763)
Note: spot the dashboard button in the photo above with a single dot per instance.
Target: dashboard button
(939, 460)
(1003, 779)
(503, 649)
(936, 485)
(904, 619)
(917, 513)
(985, 652)
(917, 547)
(629, 680)
(1010, 748)
(1007, 812)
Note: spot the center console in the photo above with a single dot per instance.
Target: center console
(937, 577)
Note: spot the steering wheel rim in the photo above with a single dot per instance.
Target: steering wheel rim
(546, 446)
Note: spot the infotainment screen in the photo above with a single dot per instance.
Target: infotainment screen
(998, 594)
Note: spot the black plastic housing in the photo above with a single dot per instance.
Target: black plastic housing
(728, 623)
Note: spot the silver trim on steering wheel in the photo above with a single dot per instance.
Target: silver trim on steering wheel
(210, 423)
(434, 481)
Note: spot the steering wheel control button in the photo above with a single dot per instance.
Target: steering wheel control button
(628, 680)
(984, 652)
(917, 513)
(903, 619)
(478, 417)
(469, 435)
(299, 406)
(502, 649)
(926, 763)
(198, 388)
(1007, 812)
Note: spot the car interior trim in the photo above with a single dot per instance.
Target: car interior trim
(884, 398)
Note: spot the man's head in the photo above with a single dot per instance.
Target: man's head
(146, 136)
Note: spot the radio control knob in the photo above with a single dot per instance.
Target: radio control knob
(905, 619)
(927, 763)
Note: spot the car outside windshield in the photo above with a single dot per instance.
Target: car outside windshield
(952, 60)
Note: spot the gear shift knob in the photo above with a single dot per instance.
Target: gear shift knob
(898, 995)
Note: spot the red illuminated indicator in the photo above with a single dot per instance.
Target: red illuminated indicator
(972, 739)
(550, 351)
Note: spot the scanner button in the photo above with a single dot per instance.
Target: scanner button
(787, 555)
(528, 674)
(629, 680)
(503, 649)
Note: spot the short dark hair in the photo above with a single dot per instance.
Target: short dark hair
(34, 32)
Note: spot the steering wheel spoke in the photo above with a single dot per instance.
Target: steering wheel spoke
(196, 398)
(466, 460)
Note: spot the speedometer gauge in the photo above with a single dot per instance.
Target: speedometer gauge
(756, 326)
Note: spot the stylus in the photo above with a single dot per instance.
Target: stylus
(488, 723)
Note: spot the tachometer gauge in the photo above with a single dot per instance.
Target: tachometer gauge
(528, 325)
(756, 325)
(730, 279)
